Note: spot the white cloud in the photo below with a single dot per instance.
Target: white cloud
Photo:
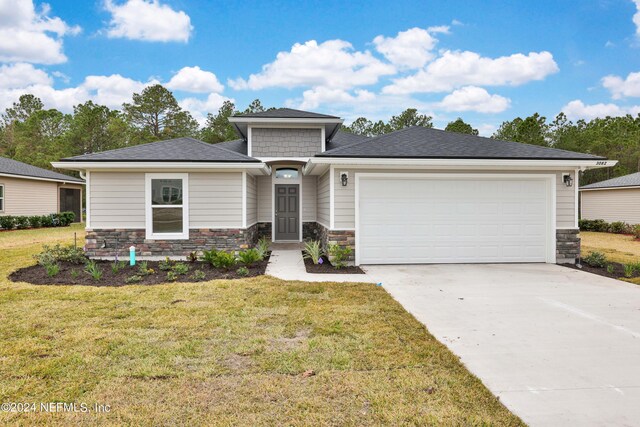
(313, 98)
(199, 107)
(577, 109)
(113, 90)
(195, 80)
(22, 75)
(147, 20)
(472, 98)
(636, 17)
(620, 87)
(409, 49)
(332, 64)
(486, 129)
(455, 69)
(27, 35)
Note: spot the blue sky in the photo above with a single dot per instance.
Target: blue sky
(485, 62)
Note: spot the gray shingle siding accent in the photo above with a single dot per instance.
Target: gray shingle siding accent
(631, 180)
(280, 142)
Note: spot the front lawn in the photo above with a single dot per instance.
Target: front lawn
(225, 352)
(620, 248)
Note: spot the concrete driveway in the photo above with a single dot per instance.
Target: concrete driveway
(558, 346)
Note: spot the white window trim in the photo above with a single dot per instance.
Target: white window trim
(2, 198)
(148, 208)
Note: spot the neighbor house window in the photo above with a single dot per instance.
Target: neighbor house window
(167, 206)
(1, 198)
(287, 173)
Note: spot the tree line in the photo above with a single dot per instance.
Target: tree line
(35, 135)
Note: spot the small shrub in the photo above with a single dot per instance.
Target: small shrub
(133, 279)
(93, 269)
(610, 268)
(75, 274)
(35, 221)
(249, 257)
(619, 227)
(198, 275)
(263, 247)
(636, 231)
(166, 265)
(313, 250)
(144, 270)
(172, 276)
(339, 255)
(192, 257)
(58, 253)
(209, 256)
(224, 260)
(7, 222)
(22, 222)
(46, 221)
(596, 259)
(629, 269)
(52, 269)
(117, 266)
(180, 268)
(66, 218)
(593, 225)
(243, 271)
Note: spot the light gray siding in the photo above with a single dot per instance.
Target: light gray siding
(116, 200)
(29, 197)
(252, 200)
(611, 205)
(264, 199)
(344, 197)
(309, 198)
(282, 142)
(215, 200)
(323, 206)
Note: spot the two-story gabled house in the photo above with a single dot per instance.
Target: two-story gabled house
(417, 195)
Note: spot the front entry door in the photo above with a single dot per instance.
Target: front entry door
(287, 212)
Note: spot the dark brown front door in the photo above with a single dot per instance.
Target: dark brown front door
(287, 212)
(70, 202)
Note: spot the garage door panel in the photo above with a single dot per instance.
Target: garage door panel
(416, 220)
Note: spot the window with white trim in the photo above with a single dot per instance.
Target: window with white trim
(167, 206)
(1, 197)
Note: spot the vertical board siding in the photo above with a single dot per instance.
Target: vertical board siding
(264, 199)
(117, 200)
(323, 206)
(252, 200)
(215, 199)
(611, 205)
(29, 197)
(309, 198)
(344, 203)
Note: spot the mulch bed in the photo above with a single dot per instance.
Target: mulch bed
(37, 274)
(617, 273)
(327, 268)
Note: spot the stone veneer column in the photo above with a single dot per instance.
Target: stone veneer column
(567, 246)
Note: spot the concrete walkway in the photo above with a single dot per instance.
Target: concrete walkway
(286, 263)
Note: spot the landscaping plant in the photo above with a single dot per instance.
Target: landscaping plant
(596, 259)
(619, 227)
(144, 270)
(610, 268)
(133, 279)
(263, 247)
(198, 275)
(338, 255)
(224, 260)
(209, 256)
(58, 253)
(52, 269)
(94, 270)
(180, 268)
(242, 271)
(117, 266)
(313, 251)
(75, 274)
(636, 231)
(629, 269)
(166, 264)
(192, 257)
(22, 222)
(172, 276)
(249, 257)
(35, 221)
(6, 222)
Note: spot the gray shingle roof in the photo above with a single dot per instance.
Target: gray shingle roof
(341, 139)
(171, 150)
(237, 145)
(631, 180)
(287, 113)
(14, 167)
(424, 143)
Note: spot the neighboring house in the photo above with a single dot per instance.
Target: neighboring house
(616, 199)
(28, 190)
(413, 196)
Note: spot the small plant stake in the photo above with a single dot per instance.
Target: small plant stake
(132, 255)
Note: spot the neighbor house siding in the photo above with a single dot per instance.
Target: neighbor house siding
(344, 197)
(611, 205)
(252, 200)
(116, 200)
(215, 200)
(309, 198)
(323, 206)
(29, 197)
(282, 142)
(264, 199)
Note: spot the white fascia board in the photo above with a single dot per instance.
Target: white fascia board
(9, 175)
(253, 120)
(284, 159)
(466, 163)
(254, 168)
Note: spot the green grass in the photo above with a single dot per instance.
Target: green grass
(620, 248)
(225, 353)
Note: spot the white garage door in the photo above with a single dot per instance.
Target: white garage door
(420, 219)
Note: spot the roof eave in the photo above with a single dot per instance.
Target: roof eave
(316, 120)
(464, 162)
(253, 165)
(38, 178)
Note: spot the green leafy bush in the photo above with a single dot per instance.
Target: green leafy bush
(172, 276)
(619, 227)
(58, 253)
(22, 222)
(629, 269)
(198, 275)
(117, 266)
(166, 264)
(133, 279)
(66, 218)
(249, 257)
(46, 221)
(338, 255)
(263, 247)
(593, 225)
(209, 256)
(35, 221)
(224, 260)
(243, 271)
(610, 268)
(180, 268)
(52, 269)
(7, 222)
(596, 259)
(93, 269)
(312, 250)
(144, 270)
(636, 231)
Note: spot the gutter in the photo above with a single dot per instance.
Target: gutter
(258, 166)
